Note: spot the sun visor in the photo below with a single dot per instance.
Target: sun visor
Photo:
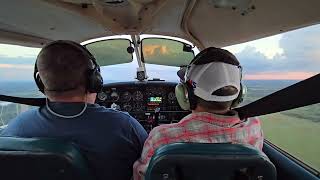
(111, 51)
(166, 52)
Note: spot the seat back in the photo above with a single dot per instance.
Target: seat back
(197, 161)
(50, 159)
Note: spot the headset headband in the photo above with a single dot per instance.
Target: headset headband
(85, 52)
(206, 60)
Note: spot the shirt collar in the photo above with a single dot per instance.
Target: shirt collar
(218, 119)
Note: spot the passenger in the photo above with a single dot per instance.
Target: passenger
(70, 78)
(211, 88)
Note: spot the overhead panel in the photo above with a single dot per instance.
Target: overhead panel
(203, 22)
(43, 20)
(227, 25)
(168, 20)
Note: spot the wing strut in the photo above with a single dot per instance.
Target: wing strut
(26, 101)
(303, 93)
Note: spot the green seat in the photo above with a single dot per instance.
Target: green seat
(198, 161)
(39, 159)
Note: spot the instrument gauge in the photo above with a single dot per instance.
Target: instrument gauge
(138, 107)
(138, 96)
(126, 96)
(114, 96)
(171, 96)
(127, 107)
(102, 96)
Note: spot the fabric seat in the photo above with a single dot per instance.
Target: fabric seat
(197, 161)
(49, 159)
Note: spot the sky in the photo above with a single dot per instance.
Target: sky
(292, 55)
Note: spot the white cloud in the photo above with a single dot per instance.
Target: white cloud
(13, 51)
(16, 66)
(269, 46)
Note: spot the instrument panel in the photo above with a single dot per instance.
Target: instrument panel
(152, 103)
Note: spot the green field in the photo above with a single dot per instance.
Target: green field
(298, 136)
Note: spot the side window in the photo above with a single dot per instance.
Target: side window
(16, 78)
(296, 131)
(276, 62)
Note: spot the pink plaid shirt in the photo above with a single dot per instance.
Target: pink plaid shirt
(200, 127)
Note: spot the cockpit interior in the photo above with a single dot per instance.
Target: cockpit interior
(146, 37)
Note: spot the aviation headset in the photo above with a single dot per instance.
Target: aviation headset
(94, 78)
(185, 90)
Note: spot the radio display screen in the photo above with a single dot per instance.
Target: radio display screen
(155, 100)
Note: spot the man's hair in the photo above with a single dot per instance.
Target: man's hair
(63, 67)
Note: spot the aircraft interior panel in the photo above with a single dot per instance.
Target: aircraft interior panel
(152, 103)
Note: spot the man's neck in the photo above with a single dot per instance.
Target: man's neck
(69, 99)
(88, 98)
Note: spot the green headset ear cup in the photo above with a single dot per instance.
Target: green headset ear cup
(241, 96)
(182, 99)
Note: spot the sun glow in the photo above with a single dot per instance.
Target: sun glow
(279, 76)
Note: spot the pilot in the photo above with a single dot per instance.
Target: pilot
(69, 76)
(211, 88)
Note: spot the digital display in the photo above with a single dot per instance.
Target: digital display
(155, 99)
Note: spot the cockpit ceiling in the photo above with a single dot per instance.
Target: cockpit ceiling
(204, 22)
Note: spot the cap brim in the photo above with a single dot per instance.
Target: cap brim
(181, 73)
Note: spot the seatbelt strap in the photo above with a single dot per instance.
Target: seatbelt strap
(303, 93)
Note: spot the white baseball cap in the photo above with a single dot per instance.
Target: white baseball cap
(212, 69)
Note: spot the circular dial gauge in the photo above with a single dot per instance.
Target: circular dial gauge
(152, 91)
(126, 96)
(102, 96)
(127, 107)
(114, 96)
(138, 107)
(138, 96)
(171, 96)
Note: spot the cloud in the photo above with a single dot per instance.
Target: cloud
(268, 46)
(17, 60)
(167, 73)
(16, 74)
(16, 69)
(279, 75)
(120, 72)
(14, 51)
(300, 57)
(301, 49)
(12, 66)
